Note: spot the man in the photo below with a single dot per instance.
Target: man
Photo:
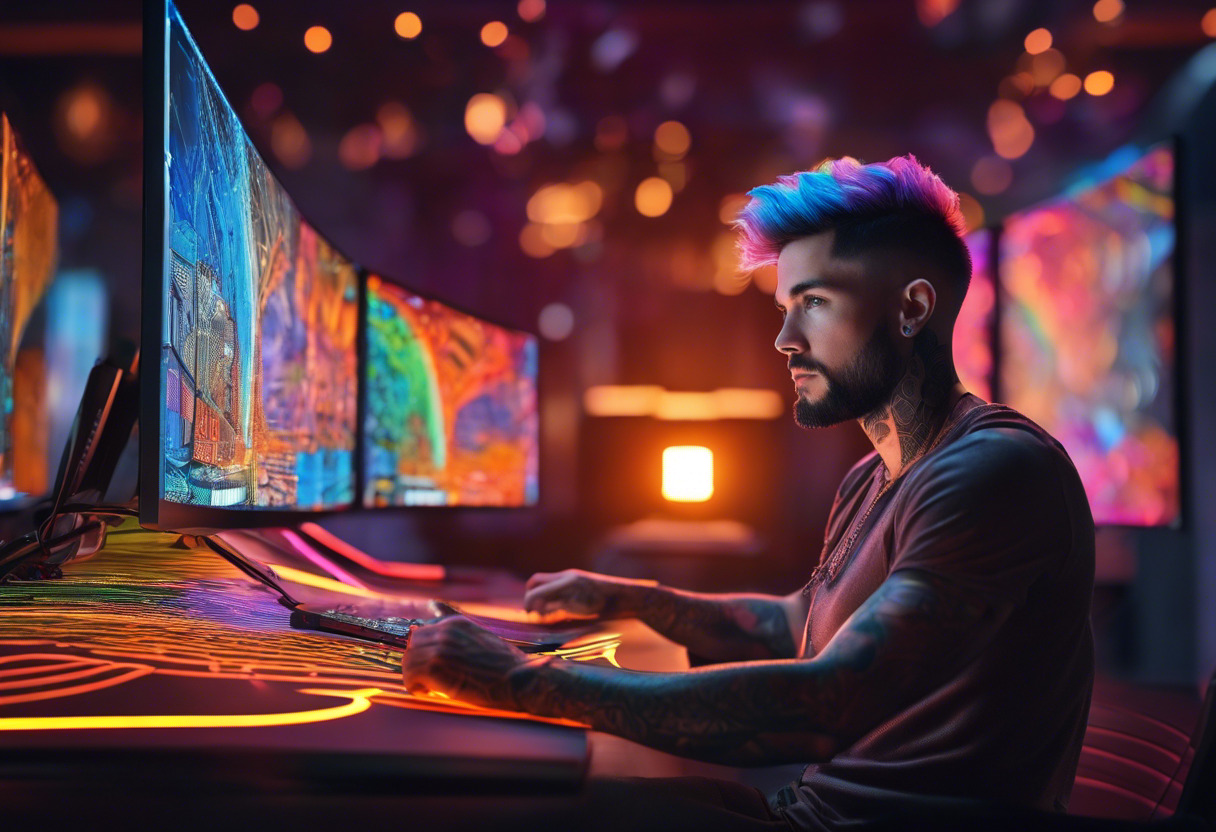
(941, 648)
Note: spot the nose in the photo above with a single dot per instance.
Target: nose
(790, 340)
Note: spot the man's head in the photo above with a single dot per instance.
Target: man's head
(869, 260)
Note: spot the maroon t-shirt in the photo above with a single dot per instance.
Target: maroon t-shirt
(997, 507)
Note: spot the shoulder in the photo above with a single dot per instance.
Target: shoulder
(995, 441)
(1000, 459)
(859, 474)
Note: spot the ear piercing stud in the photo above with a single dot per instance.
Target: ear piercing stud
(908, 331)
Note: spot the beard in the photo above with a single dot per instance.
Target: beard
(860, 388)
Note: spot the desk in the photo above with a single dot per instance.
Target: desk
(156, 676)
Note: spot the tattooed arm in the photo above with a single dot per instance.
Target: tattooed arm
(907, 638)
(716, 628)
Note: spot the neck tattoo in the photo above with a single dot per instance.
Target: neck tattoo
(919, 403)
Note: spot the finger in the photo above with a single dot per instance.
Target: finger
(411, 676)
(544, 600)
(533, 600)
(539, 578)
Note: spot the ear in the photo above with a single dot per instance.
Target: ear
(916, 305)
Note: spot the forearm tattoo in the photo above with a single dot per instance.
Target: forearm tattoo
(903, 641)
(719, 628)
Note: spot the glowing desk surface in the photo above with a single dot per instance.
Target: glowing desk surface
(149, 647)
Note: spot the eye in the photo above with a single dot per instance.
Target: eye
(814, 300)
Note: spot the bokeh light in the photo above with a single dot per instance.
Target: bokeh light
(532, 241)
(360, 147)
(933, 12)
(765, 279)
(245, 17)
(1010, 131)
(1066, 86)
(494, 33)
(991, 175)
(1017, 85)
(1108, 11)
(728, 279)
(676, 174)
(1100, 82)
(564, 203)
(556, 322)
(85, 123)
(563, 234)
(289, 141)
(1047, 66)
(653, 197)
(1209, 23)
(85, 111)
(973, 212)
(730, 206)
(266, 99)
(484, 117)
(398, 130)
(531, 10)
(318, 39)
(408, 25)
(1038, 41)
(672, 139)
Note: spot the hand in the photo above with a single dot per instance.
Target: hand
(455, 657)
(582, 593)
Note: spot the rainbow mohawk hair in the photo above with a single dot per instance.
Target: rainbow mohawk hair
(841, 192)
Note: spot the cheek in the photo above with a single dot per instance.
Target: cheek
(839, 339)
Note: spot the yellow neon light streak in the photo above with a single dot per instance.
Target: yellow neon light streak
(299, 576)
(360, 701)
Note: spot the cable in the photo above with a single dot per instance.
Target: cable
(33, 545)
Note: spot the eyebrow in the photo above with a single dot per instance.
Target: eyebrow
(811, 285)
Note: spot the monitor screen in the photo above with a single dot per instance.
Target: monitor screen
(1087, 334)
(973, 330)
(29, 218)
(257, 372)
(451, 406)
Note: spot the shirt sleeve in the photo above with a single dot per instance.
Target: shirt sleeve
(987, 513)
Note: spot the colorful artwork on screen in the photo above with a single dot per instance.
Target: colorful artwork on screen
(29, 219)
(258, 358)
(973, 333)
(451, 406)
(1087, 344)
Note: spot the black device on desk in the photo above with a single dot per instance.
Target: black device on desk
(386, 618)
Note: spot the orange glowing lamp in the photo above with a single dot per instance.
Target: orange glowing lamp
(688, 473)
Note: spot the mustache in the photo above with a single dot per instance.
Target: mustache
(798, 362)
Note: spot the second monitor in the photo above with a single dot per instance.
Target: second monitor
(451, 412)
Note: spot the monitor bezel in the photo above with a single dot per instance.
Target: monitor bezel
(155, 512)
(361, 464)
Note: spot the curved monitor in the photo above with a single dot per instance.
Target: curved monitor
(250, 317)
(1087, 333)
(28, 248)
(450, 406)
